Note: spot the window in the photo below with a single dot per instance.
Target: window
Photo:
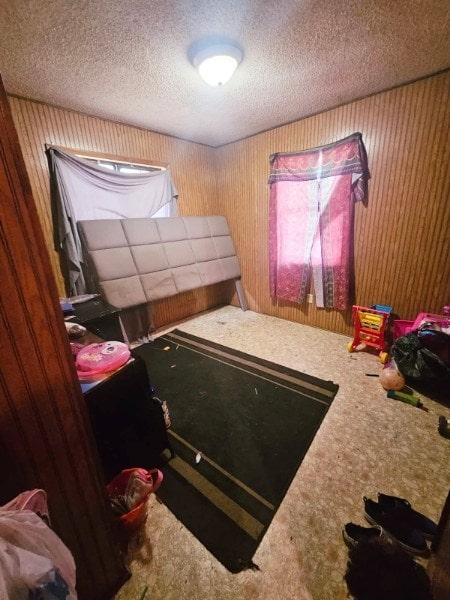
(123, 165)
(312, 196)
(100, 196)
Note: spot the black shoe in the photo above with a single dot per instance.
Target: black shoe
(396, 526)
(353, 534)
(415, 519)
(443, 428)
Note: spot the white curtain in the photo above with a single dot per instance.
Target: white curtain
(83, 190)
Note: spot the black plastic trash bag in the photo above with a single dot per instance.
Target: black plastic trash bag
(423, 356)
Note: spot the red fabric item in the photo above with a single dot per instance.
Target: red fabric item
(311, 218)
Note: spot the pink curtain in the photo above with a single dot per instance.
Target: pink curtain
(311, 219)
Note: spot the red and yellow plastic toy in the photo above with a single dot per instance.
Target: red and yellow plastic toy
(370, 326)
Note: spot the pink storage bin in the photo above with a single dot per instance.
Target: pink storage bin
(401, 328)
(441, 319)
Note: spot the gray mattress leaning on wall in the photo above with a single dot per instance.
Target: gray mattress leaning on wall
(135, 261)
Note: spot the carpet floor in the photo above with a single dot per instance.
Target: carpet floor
(366, 444)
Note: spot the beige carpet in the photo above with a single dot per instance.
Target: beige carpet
(367, 443)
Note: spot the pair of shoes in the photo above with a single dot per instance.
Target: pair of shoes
(353, 534)
(399, 521)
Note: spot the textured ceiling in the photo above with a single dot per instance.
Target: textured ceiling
(128, 61)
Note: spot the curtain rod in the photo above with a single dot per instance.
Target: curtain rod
(108, 157)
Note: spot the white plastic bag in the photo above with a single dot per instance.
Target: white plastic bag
(32, 556)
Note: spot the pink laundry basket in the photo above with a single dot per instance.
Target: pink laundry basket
(401, 328)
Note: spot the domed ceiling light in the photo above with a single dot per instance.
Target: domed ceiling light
(216, 62)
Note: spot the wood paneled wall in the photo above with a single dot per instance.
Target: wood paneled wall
(45, 436)
(401, 237)
(191, 165)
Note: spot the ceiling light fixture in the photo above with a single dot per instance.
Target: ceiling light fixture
(217, 62)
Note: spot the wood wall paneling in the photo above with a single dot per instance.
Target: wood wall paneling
(44, 428)
(401, 237)
(191, 166)
(401, 240)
